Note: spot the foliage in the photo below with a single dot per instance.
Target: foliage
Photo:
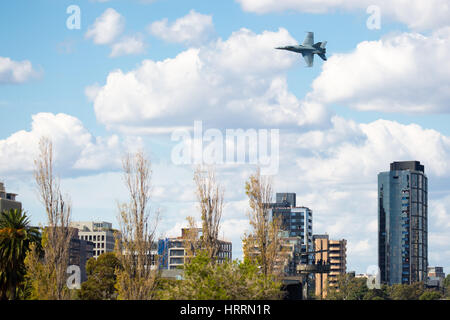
(39, 276)
(41, 279)
(430, 295)
(407, 291)
(447, 286)
(447, 281)
(348, 288)
(101, 278)
(262, 245)
(136, 280)
(210, 196)
(378, 294)
(16, 236)
(351, 288)
(48, 273)
(231, 280)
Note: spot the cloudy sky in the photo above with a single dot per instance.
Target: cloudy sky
(134, 71)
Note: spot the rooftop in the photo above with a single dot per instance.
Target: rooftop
(407, 165)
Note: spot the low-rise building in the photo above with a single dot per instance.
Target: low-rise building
(80, 251)
(173, 252)
(436, 277)
(100, 233)
(8, 200)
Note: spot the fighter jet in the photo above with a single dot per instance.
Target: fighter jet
(308, 49)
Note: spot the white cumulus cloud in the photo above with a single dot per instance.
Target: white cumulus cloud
(14, 72)
(192, 29)
(336, 156)
(405, 72)
(106, 28)
(416, 14)
(217, 83)
(128, 45)
(75, 149)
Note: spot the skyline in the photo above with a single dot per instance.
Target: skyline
(382, 96)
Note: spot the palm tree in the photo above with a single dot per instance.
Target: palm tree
(16, 235)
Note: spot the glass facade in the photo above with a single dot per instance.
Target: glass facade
(297, 221)
(402, 223)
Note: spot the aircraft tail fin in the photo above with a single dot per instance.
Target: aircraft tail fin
(320, 45)
(323, 56)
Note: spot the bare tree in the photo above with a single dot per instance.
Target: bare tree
(191, 241)
(263, 243)
(210, 198)
(56, 241)
(138, 278)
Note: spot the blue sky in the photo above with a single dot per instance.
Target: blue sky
(382, 96)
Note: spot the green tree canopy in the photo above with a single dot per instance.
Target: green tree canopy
(430, 295)
(447, 280)
(231, 280)
(407, 291)
(348, 288)
(378, 294)
(447, 286)
(101, 278)
(16, 236)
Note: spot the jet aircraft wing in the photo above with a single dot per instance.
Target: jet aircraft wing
(309, 39)
(309, 58)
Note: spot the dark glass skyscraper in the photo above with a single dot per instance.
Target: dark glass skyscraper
(402, 223)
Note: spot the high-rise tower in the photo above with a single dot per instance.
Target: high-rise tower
(402, 223)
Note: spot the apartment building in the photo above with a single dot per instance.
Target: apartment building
(174, 251)
(101, 234)
(334, 253)
(296, 221)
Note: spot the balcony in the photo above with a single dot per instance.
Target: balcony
(313, 268)
(176, 253)
(335, 255)
(176, 261)
(335, 261)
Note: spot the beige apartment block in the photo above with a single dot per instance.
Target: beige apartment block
(334, 253)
